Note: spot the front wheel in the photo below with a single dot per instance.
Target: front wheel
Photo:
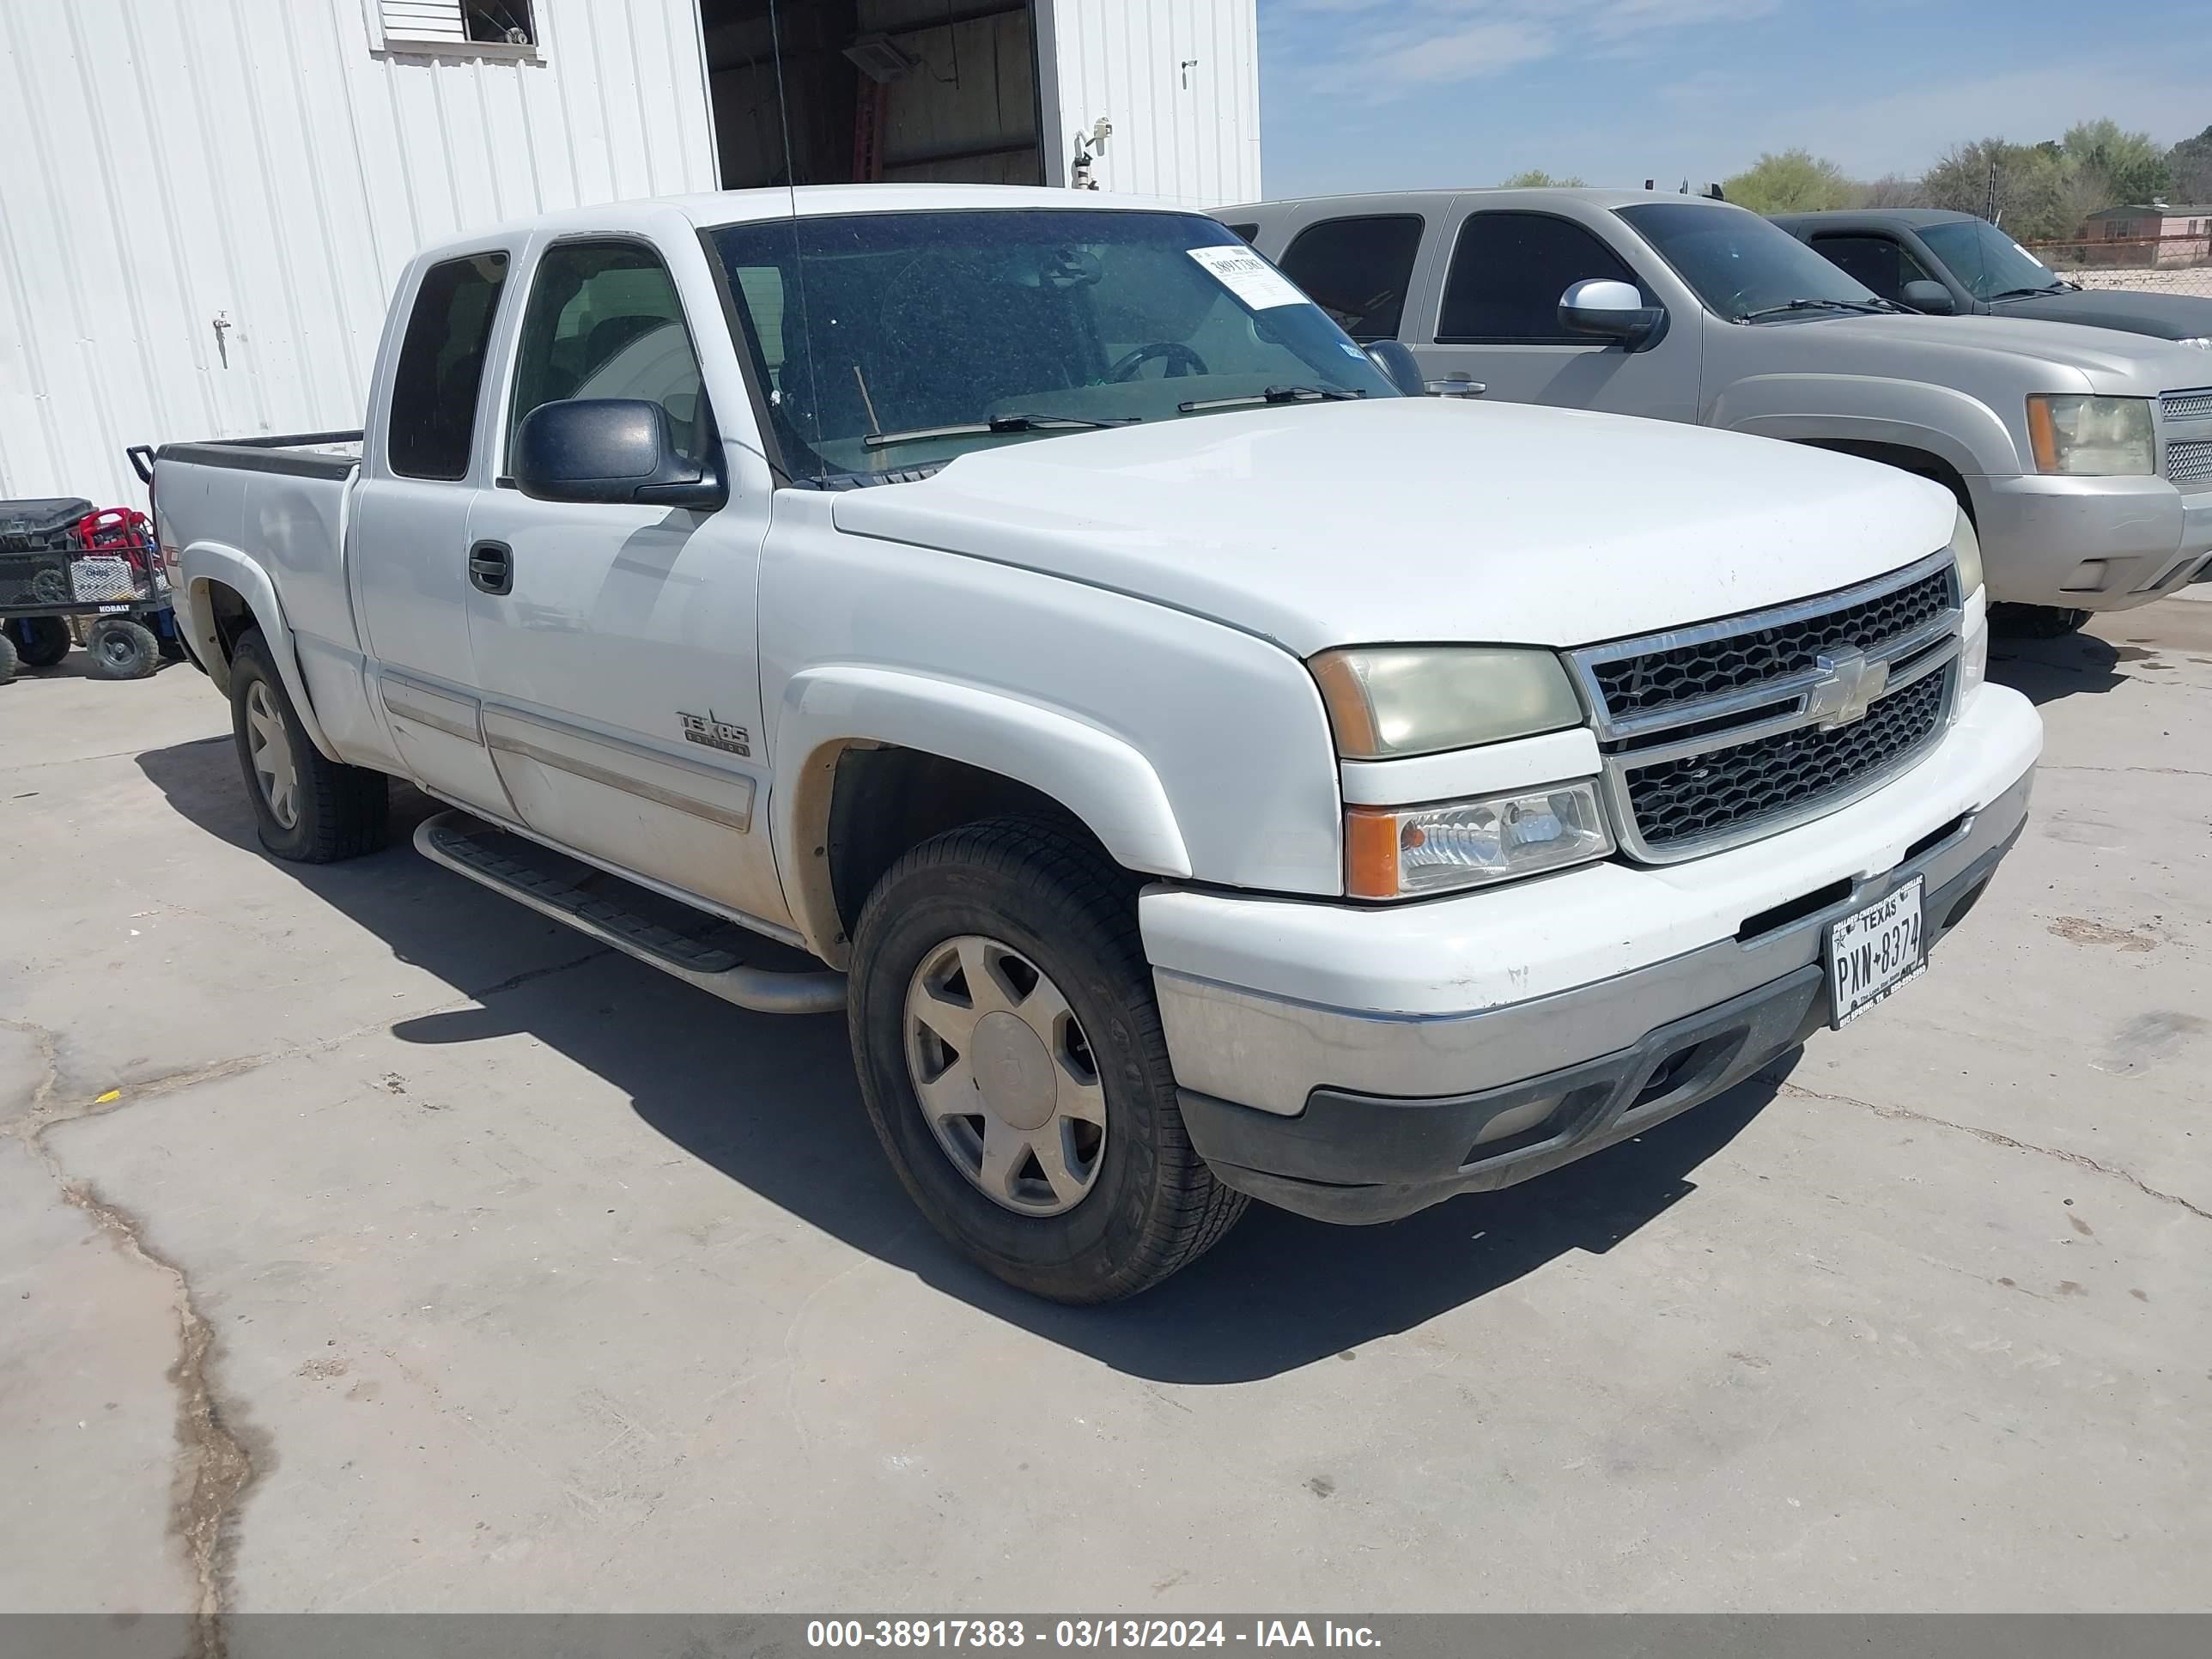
(1010, 1057)
(122, 649)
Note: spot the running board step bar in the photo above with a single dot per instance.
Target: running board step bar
(697, 948)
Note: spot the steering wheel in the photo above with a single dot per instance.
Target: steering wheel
(1180, 358)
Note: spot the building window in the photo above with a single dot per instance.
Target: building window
(456, 23)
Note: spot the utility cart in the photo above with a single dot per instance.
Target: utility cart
(70, 572)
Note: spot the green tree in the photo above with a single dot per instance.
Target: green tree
(2189, 166)
(1795, 181)
(1537, 178)
(2036, 200)
(2123, 167)
(1892, 190)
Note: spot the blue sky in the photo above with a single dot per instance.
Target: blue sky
(1378, 94)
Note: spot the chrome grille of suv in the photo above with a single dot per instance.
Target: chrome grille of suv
(2186, 406)
(1721, 733)
(2189, 462)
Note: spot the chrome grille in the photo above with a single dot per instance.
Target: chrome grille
(1737, 788)
(1705, 668)
(2186, 406)
(2190, 462)
(1721, 733)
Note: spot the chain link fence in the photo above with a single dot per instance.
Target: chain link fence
(2162, 264)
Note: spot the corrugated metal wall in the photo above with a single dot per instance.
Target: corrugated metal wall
(203, 203)
(1180, 81)
(172, 164)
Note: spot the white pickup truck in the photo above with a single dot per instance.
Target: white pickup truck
(1198, 770)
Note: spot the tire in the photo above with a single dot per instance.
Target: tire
(1052, 906)
(2034, 622)
(122, 649)
(7, 657)
(41, 641)
(335, 812)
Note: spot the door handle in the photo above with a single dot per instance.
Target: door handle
(491, 567)
(1457, 387)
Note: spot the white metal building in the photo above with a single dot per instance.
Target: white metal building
(203, 203)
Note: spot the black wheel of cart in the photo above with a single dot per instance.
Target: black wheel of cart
(41, 641)
(7, 658)
(122, 649)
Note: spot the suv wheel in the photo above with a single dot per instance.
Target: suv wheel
(1010, 1056)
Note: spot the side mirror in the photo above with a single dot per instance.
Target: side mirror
(1398, 366)
(1926, 295)
(1611, 310)
(610, 450)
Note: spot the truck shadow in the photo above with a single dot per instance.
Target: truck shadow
(2044, 670)
(772, 1104)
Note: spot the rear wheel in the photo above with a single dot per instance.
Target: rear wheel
(2034, 622)
(1010, 1056)
(308, 808)
(41, 641)
(122, 649)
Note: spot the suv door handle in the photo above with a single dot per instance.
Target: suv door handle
(491, 567)
(1457, 387)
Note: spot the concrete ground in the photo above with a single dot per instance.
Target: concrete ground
(366, 1243)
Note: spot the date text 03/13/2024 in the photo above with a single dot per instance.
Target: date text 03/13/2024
(1085, 1633)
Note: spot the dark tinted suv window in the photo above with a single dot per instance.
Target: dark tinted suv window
(1509, 272)
(1882, 264)
(442, 363)
(1358, 269)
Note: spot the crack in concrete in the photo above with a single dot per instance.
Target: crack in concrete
(2080, 1160)
(2167, 771)
(213, 1469)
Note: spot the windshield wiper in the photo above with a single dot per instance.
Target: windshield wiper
(1275, 394)
(2024, 293)
(996, 424)
(1858, 306)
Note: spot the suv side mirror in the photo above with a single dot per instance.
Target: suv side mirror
(1611, 310)
(1398, 366)
(1924, 294)
(610, 450)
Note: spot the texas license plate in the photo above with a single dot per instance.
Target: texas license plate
(1873, 951)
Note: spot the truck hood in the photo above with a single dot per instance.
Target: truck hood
(2165, 316)
(1423, 520)
(2036, 354)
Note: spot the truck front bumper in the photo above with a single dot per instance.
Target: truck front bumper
(1358, 1064)
(2090, 543)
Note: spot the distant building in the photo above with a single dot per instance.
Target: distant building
(204, 205)
(2154, 235)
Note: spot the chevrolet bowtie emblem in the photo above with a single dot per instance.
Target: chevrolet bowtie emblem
(1849, 681)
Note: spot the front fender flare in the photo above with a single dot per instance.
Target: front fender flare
(205, 563)
(1099, 777)
(1957, 427)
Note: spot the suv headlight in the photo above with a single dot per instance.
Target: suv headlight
(2093, 437)
(1967, 550)
(1408, 850)
(1388, 702)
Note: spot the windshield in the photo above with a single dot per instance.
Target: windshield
(1987, 262)
(910, 323)
(1742, 265)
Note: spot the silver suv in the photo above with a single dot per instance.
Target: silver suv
(2083, 455)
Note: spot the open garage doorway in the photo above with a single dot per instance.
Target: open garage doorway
(895, 91)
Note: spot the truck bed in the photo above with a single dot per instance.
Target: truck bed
(301, 454)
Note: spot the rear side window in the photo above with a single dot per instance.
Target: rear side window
(1358, 270)
(604, 321)
(1881, 263)
(440, 368)
(1509, 272)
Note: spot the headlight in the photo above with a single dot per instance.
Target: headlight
(1387, 702)
(1405, 851)
(1967, 548)
(2093, 437)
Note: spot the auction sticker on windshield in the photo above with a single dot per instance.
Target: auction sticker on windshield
(1248, 277)
(1873, 951)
